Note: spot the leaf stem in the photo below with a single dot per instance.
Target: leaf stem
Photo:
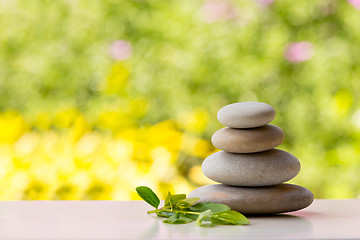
(174, 210)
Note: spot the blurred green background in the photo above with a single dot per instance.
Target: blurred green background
(98, 97)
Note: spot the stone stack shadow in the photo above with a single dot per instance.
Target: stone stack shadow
(251, 171)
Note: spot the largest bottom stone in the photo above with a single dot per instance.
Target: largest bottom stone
(257, 200)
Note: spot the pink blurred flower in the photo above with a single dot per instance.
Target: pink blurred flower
(265, 3)
(215, 10)
(299, 52)
(120, 50)
(355, 3)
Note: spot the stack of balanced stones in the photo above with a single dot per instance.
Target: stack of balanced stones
(251, 172)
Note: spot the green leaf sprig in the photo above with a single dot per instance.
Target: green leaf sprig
(180, 210)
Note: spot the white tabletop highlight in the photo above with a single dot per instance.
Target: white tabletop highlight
(324, 219)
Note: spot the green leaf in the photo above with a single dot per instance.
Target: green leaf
(214, 207)
(180, 210)
(165, 214)
(148, 195)
(187, 202)
(171, 200)
(185, 218)
(178, 219)
(167, 203)
(203, 216)
(192, 216)
(172, 219)
(229, 217)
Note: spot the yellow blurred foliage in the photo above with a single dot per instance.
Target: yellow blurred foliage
(74, 161)
(12, 125)
(117, 79)
(65, 118)
(342, 102)
(195, 121)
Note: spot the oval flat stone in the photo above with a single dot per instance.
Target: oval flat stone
(248, 140)
(246, 114)
(257, 200)
(251, 169)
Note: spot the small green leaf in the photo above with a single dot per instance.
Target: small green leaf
(148, 195)
(185, 218)
(203, 216)
(167, 204)
(214, 207)
(172, 219)
(229, 217)
(165, 214)
(192, 216)
(187, 202)
(171, 200)
(180, 210)
(178, 219)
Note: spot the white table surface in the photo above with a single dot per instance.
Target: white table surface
(324, 219)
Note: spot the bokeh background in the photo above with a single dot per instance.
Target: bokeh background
(98, 97)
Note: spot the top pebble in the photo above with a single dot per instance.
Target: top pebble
(246, 114)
